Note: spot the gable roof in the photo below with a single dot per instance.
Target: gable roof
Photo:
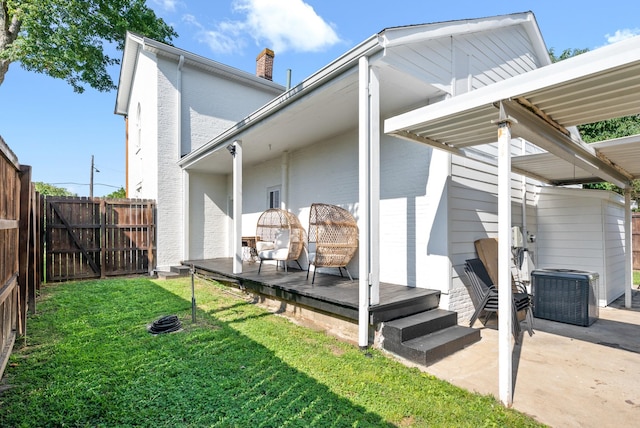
(134, 43)
(326, 103)
(543, 104)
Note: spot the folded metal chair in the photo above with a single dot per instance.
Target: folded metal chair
(486, 294)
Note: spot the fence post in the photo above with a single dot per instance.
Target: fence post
(23, 244)
(151, 237)
(103, 237)
(33, 250)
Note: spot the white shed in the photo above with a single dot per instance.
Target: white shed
(583, 230)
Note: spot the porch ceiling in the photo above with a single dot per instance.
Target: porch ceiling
(542, 106)
(316, 115)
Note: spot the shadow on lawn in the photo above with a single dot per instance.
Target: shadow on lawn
(107, 370)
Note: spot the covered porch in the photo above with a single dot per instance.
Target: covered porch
(330, 294)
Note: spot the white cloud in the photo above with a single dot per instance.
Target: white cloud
(281, 25)
(287, 25)
(225, 39)
(167, 5)
(623, 34)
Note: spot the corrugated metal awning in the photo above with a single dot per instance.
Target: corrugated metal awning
(542, 105)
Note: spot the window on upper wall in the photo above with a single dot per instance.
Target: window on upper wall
(273, 197)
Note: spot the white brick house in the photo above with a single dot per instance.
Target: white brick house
(174, 102)
(306, 145)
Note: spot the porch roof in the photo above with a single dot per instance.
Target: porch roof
(325, 104)
(543, 105)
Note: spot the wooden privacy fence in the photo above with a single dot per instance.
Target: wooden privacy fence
(20, 252)
(95, 238)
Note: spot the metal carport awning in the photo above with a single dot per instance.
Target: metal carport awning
(541, 106)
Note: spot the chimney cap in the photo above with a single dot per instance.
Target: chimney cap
(266, 51)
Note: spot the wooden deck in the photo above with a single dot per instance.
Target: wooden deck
(330, 294)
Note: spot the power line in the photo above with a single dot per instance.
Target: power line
(86, 184)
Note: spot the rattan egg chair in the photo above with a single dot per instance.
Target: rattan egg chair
(279, 237)
(333, 238)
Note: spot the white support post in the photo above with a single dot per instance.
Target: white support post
(237, 206)
(505, 323)
(374, 184)
(364, 203)
(628, 244)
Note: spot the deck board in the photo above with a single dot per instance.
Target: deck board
(329, 293)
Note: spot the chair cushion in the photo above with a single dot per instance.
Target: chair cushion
(264, 245)
(312, 258)
(277, 254)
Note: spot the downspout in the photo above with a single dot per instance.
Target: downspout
(185, 173)
(364, 202)
(369, 195)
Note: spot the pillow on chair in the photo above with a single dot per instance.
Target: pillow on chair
(264, 246)
(282, 239)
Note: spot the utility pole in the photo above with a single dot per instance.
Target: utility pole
(91, 179)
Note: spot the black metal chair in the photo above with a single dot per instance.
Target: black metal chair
(486, 294)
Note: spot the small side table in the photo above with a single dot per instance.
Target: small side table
(249, 253)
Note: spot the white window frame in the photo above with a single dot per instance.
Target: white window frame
(274, 202)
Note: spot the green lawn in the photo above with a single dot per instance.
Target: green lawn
(88, 360)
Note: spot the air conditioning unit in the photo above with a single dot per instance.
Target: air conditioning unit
(565, 295)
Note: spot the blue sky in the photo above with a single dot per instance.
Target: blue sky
(56, 131)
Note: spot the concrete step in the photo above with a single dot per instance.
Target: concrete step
(181, 270)
(174, 272)
(432, 347)
(419, 324)
(167, 275)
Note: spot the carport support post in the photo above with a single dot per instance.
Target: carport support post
(505, 346)
(237, 207)
(628, 243)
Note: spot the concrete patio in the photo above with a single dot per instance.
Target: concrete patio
(564, 375)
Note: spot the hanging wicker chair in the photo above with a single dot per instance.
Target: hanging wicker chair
(279, 237)
(333, 238)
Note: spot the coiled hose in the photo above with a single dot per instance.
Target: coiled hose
(166, 324)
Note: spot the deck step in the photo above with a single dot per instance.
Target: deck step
(406, 307)
(427, 337)
(419, 324)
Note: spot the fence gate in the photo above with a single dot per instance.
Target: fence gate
(95, 238)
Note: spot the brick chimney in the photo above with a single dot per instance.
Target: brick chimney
(264, 64)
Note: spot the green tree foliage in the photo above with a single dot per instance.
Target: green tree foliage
(605, 130)
(567, 53)
(47, 189)
(117, 194)
(69, 39)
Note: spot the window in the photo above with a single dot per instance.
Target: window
(273, 194)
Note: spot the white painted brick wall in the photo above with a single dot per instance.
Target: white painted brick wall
(209, 105)
(208, 216)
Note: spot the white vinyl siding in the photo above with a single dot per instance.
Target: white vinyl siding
(583, 230)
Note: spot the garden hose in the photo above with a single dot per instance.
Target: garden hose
(166, 324)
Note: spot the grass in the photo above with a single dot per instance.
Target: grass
(88, 360)
(636, 277)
